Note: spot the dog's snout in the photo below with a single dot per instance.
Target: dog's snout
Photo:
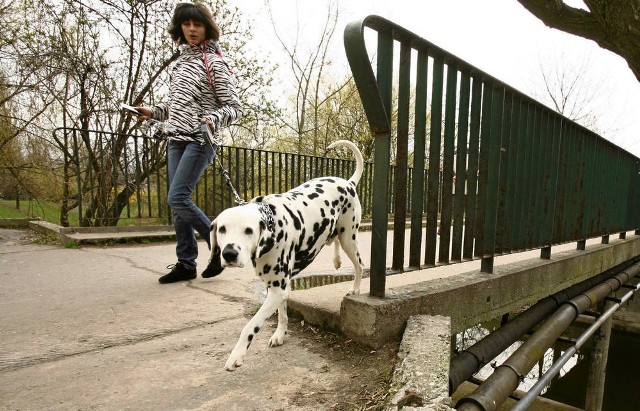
(230, 254)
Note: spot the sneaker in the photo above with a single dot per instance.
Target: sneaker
(215, 267)
(178, 273)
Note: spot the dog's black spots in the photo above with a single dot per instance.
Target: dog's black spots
(349, 205)
(280, 223)
(313, 195)
(258, 199)
(305, 204)
(342, 229)
(357, 226)
(250, 337)
(322, 213)
(266, 269)
(307, 185)
(255, 330)
(344, 210)
(328, 179)
(341, 190)
(333, 211)
(280, 236)
(335, 203)
(353, 237)
(296, 221)
(267, 246)
(276, 283)
(319, 190)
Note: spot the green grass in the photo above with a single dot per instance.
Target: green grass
(30, 209)
(50, 211)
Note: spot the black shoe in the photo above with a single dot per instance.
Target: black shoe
(178, 273)
(215, 267)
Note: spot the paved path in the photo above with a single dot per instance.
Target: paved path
(91, 329)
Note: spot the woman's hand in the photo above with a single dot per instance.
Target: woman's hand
(147, 113)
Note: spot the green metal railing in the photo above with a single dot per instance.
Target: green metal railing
(121, 179)
(521, 175)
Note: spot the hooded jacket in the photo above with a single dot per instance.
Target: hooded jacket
(193, 97)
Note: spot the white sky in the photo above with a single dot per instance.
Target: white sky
(498, 36)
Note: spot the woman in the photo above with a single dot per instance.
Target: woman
(202, 90)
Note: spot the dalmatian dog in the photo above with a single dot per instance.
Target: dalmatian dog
(280, 235)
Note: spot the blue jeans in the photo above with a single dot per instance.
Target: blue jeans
(186, 162)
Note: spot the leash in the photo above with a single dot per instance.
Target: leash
(163, 131)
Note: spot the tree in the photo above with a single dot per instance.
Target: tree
(573, 88)
(74, 61)
(613, 24)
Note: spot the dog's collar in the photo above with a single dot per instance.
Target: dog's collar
(267, 214)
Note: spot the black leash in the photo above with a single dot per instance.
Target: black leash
(207, 135)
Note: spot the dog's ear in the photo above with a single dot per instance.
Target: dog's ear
(215, 264)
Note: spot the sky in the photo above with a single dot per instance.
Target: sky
(499, 37)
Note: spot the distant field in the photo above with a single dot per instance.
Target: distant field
(50, 212)
(43, 210)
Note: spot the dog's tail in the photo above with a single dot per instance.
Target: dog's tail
(355, 178)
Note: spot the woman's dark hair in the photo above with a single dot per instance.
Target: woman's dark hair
(196, 12)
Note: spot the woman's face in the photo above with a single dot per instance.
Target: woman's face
(194, 32)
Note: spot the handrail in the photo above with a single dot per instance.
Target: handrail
(504, 172)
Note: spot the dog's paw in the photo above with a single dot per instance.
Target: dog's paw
(277, 339)
(234, 361)
(354, 291)
(337, 262)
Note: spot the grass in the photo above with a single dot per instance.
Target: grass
(30, 209)
(50, 211)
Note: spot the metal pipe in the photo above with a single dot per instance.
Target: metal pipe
(490, 395)
(546, 378)
(469, 361)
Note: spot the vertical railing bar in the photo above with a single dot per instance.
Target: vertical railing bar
(381, 169)
(501, 243)
(402, 142)
(447, 164)
(461, 156)
(417, 202)
(483, 176)
(472, 171)
(512, 205)
(493, 174)
(435, 137)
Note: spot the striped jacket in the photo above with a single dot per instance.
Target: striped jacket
(191, 97)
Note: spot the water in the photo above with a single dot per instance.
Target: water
(622, 384)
